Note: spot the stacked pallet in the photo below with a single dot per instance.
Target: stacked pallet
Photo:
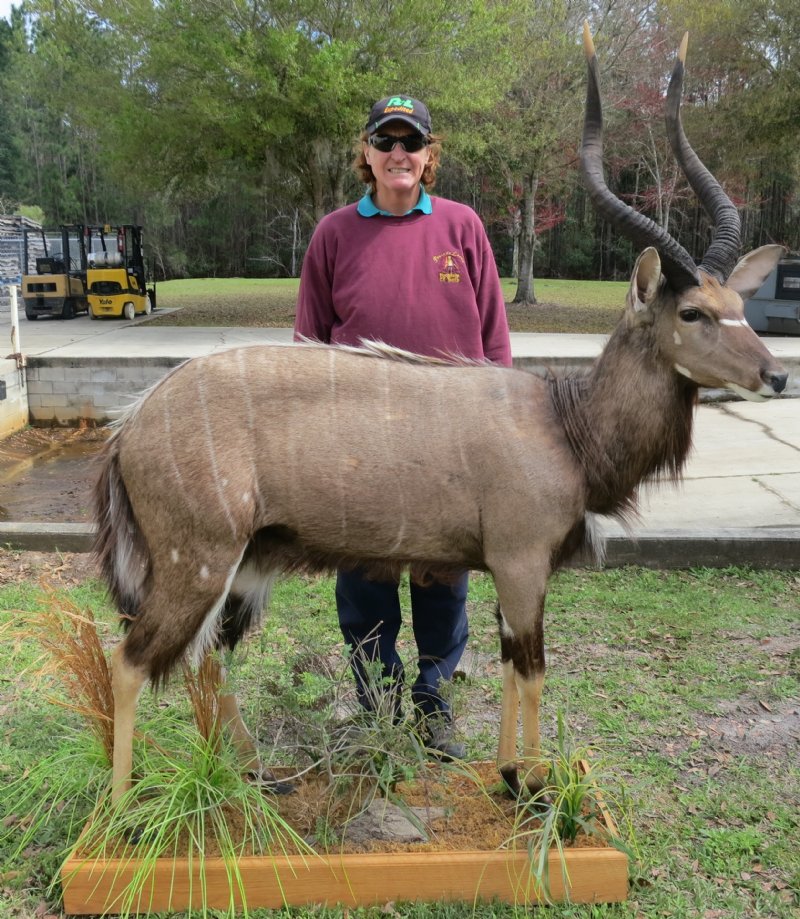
(11, 254)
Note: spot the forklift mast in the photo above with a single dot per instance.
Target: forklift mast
(59, 250)
(54, 263)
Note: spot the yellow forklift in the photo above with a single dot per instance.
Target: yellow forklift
(116, 280)
(54, 272)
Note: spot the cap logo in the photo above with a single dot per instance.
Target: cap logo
(398, 104)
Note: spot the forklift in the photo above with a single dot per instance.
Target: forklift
(116, 281)
(54, 272)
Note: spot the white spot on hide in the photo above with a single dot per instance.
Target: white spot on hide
(742, 322)
(677, 338)
(204, 572)
(246, 497)
(683, 371)
(175, 555)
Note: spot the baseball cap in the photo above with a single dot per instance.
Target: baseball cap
(400, 108)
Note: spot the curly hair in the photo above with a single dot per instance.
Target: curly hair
(364, 172)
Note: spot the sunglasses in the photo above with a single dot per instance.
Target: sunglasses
(411, 143)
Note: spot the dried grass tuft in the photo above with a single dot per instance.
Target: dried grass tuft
(203, 686)
(75, 657)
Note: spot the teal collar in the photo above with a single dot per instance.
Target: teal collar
(366, 206)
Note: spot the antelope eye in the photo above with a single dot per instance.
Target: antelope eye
(690, 315)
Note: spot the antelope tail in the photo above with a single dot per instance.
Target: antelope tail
(119, 546)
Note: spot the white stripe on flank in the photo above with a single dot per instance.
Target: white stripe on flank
(401, 534)
(212, 453)
(389, 440)
(176, 469)
(251, 427)
(334, 421)
(742, 322)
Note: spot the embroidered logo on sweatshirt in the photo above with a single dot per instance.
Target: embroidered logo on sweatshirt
(451, 265)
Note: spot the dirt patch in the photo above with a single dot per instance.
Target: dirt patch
(757, 727)
(61, 570)
(455, 809)
(47, 474)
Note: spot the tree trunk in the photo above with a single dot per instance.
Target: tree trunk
(339, 182)
(294, 269)
(527, 242)
(315, 180)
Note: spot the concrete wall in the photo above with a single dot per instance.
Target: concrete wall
(63, 391)
(13, 398)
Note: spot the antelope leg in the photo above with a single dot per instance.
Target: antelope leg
(520, 617)
(243, 741)
(509, 717)
(530, 690)
(509, 712)
(126, 682)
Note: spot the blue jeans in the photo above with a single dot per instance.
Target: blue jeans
(369, 617)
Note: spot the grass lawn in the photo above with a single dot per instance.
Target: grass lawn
(688, 683)
(565, 306)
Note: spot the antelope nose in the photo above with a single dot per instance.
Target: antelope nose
(774, 379)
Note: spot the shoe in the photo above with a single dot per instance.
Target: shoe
(439, 739)
(363, 732)
(353, 732)
(267, 781)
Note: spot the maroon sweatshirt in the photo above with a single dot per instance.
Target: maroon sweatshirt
(426, 283)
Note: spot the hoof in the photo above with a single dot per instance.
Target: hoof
(135, 835)
(269, 783)
(540, 799)
(510, 776)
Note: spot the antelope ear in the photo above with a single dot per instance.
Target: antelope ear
(645, 282)
(752, 270)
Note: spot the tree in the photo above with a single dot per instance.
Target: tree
(226, 126)
(536, 122)
(743, 93)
